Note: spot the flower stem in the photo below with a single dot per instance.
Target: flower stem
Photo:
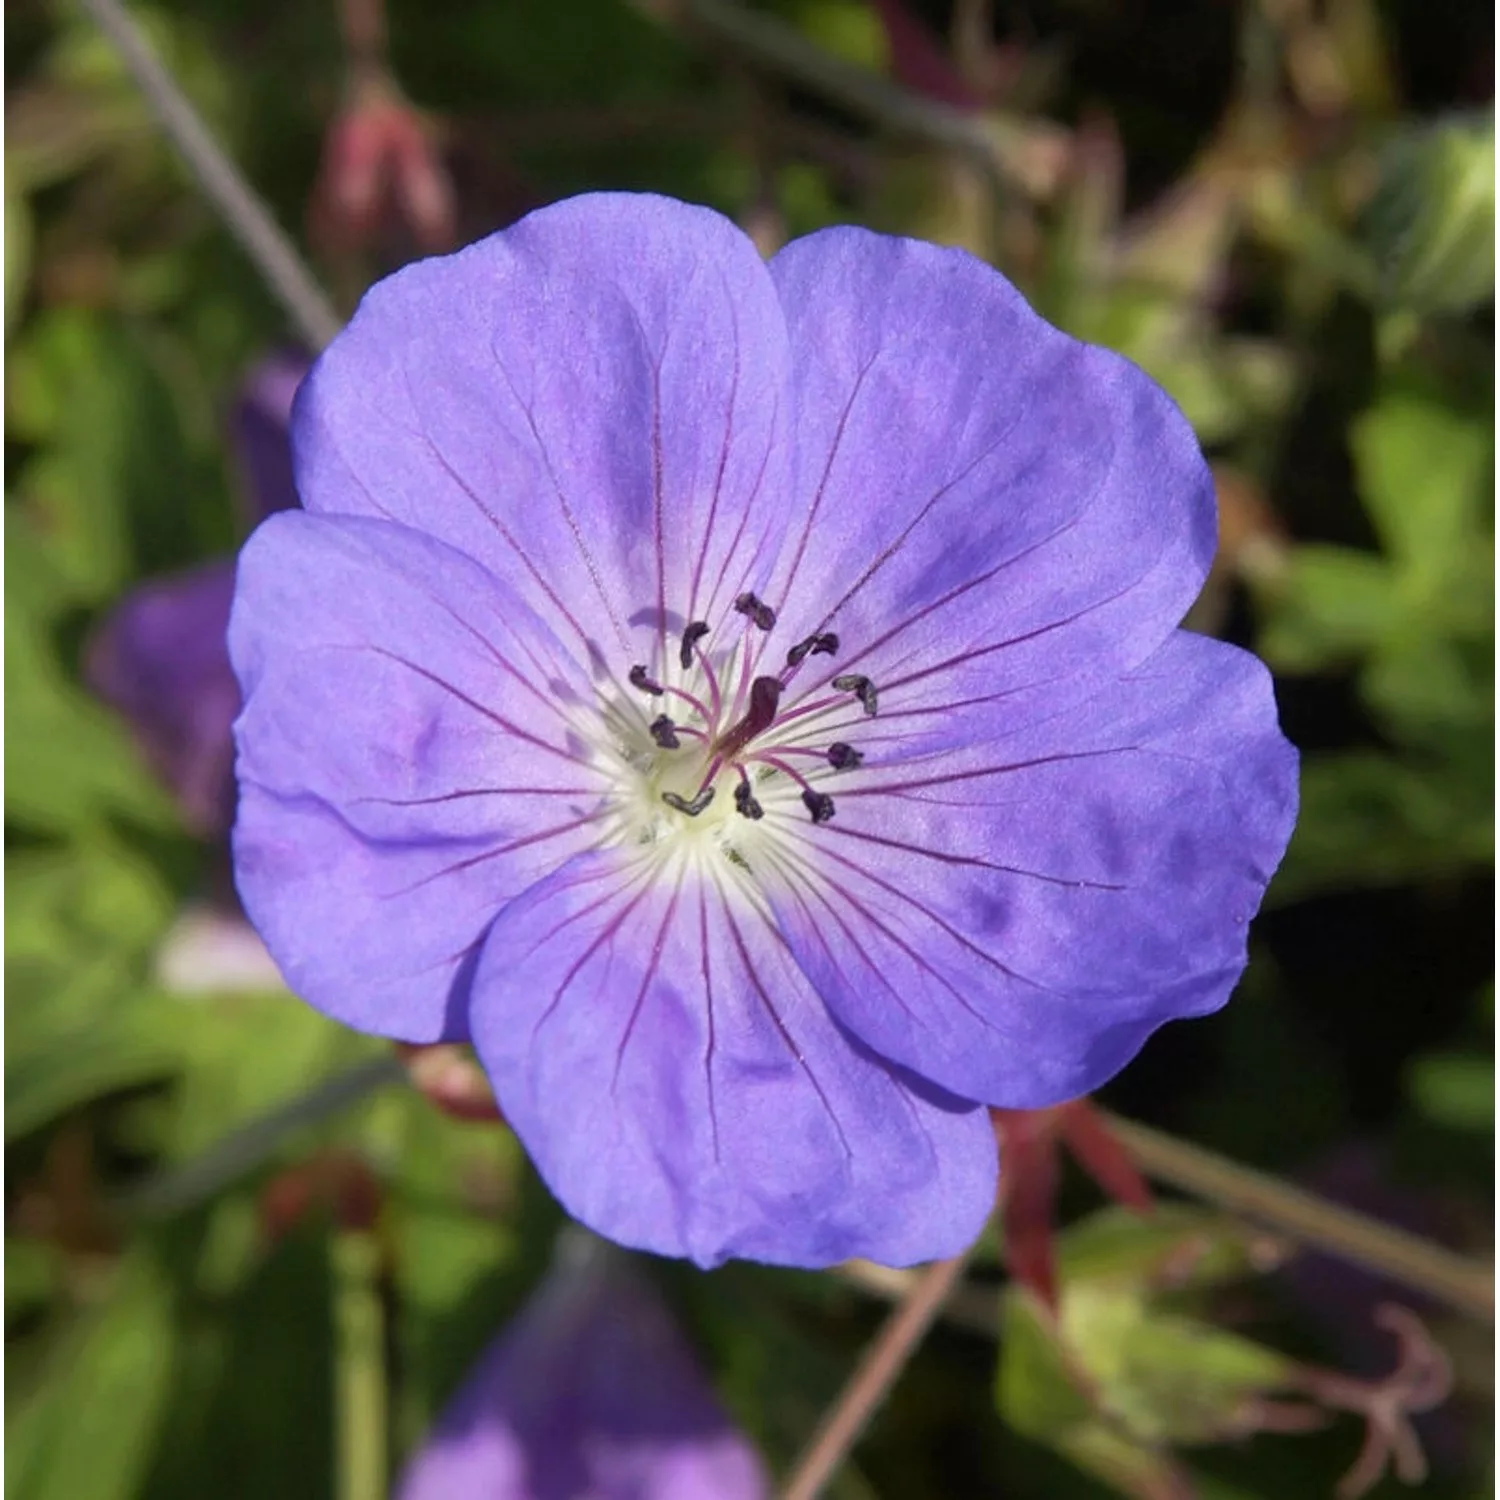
(359, 1367)
(1460, 1281)
(872, 1379)
(242, 210)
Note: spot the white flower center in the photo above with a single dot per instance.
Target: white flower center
(701, 757)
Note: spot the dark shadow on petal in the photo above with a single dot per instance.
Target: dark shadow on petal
(924, 1088)
(456, 1011)
(668, 620)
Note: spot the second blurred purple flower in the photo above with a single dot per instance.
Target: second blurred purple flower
(592, 1392)
(160, 657)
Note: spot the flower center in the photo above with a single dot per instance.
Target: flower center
(721, 738)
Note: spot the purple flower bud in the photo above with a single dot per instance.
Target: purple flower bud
(160, 660)
(258, 431)
(590, 1391)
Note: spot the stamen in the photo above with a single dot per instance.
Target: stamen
(744, 799)
(690, 638)
(824, 643)
(640, 679)
(760, 699)
(693, 808)
(818, 804)
(762, 616)
(861, 687)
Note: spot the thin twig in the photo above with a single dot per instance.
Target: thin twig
(240, 1153)
(972, 1306)
(1460, 1281)
(1010, 154)
(776, 46)
(872, 1379)
(242, 210)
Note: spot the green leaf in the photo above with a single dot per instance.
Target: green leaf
(1033, 1391)
(119, 484)
(87, 1430)
(81, 1019)
(1332, 605)
(1368, 819)
(70, 762)
(18, 248)
(1222, 385)
(847, 28)
(244, 1054)
(42, 1084)
(1421, 469)
(33, 1274)
(1426, 688)
(251, 1414)
(1455, 1089)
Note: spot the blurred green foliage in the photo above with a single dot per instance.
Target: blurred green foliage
(1300, 252)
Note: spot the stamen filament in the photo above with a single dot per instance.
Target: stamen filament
(820, 705)
(715, 696)
(766, 758)
(695, 703)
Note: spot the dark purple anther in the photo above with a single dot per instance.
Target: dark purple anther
(640, 679)
(693, 808)
(664, 732)
(861, 687)
(744, 801)
(690, 638)
(843, 757)
(760, 613)
(818, 804)
(824, 643)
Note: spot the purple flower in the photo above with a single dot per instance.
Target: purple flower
(258, 427)
(591, 1391)
(746, 701)
(161, 661)
(160, 657)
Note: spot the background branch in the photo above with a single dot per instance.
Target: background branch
(1011, 155)
(873, 1378)
(244, 213)
(1455, 1279)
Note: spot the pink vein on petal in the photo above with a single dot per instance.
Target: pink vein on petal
(708, 994)
(786, 1036)
(474, 860)
(646, 978)
(488, 713)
